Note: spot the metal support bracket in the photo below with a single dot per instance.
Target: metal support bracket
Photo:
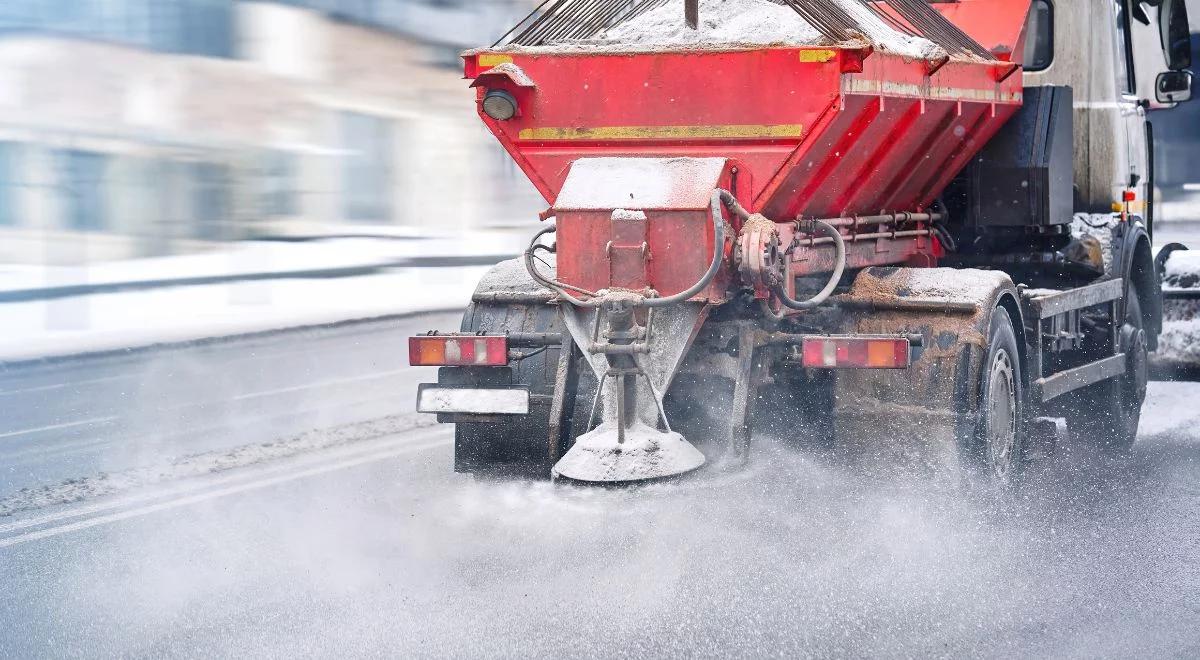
(1049, 306)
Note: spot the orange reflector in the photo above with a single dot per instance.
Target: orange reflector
(457, 351)
(856, 353)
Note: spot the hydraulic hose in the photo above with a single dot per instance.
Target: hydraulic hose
(838, 270)
(944, 236)
(719, 198)
(548, 283)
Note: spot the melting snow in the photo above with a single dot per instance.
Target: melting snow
(966, 284)
(1100, 227)
(640, 183)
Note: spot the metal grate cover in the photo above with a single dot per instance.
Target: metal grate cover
(557, 21)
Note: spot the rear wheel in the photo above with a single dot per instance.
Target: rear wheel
(514, 445)
(999, 429)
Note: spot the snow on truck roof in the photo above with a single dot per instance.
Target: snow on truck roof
(726, 24)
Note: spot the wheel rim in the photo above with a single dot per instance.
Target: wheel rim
(1001, 428)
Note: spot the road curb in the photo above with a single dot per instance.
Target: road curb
(51, 360)
(76, 290)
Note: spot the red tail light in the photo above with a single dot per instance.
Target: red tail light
(457, 351)
(857, 353)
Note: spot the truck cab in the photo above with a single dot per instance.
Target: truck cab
(1122, 59)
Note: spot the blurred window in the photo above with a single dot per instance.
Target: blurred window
(82, 183)
(280, 173)
(193, 27)
(367, 167)
(211, 200)
(392, 15)
(9, 188)
(1124, 61)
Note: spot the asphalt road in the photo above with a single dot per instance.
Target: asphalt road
(371, 545)
(78, 417)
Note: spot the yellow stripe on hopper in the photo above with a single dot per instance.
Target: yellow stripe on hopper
(821, 55)
(663, 132)
(492, 59)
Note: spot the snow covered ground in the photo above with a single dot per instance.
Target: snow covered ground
(246, 287)
(113, 321)
(137, 306)
(264, 258)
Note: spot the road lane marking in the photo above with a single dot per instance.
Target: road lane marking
(39, 452)
(59, 427)
(203, 404)
(322, 383)
(270, 466)
(263, 348)
(56, 447)
(215, 494)
(61, 386)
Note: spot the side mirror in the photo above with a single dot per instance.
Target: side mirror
(1176, 34)
(1173, 87)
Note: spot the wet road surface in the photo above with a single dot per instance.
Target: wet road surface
(375, 547)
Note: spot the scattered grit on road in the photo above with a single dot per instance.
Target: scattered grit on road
(364, 542)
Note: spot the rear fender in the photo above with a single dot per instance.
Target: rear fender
(926, 414)
(1133, 253)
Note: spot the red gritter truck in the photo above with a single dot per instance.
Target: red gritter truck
(918, 232)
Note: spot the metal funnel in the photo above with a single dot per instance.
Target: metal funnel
(646, 454)
(629, 444)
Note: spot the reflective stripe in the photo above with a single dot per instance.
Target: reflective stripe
(664, 132)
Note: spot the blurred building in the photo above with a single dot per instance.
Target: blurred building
(147, 127)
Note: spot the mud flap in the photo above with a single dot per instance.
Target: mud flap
(922, 417)
(508, 301)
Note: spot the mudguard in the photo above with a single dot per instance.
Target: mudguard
(923, 416)
(1133, 254)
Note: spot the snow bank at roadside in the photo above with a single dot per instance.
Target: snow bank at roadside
(1182, 270)
(116, 321)
(1179, 342)
(257, 257)
(108, 484)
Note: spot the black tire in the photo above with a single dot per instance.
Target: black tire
(1000, 429)
(1106, 415)
(516, 446)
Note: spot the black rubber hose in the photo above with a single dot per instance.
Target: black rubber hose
(836, 277)
(944, 235)
(719, 198)
(550, 284)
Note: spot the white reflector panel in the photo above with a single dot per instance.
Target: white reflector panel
(434, 399)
